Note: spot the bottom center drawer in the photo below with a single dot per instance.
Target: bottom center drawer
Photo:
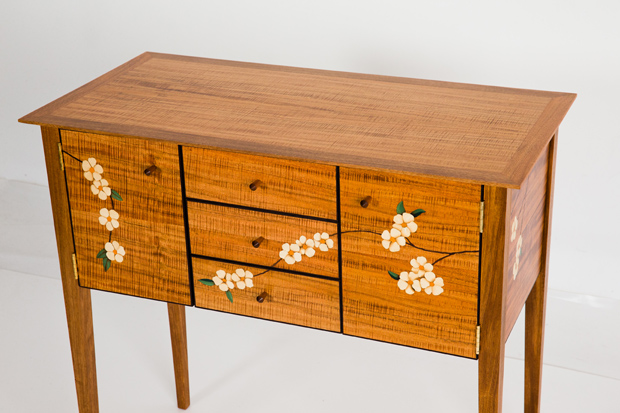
(289, 298)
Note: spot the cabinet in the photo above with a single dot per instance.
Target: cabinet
(407, 211)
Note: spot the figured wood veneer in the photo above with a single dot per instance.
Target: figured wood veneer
(373, 305)
(151, 228)
(227, 233)
(280, 185)
(528, 206)
(458, 131)
(291, 298)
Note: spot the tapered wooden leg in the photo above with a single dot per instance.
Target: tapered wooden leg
(176, 315)
(77, 300)
(534, 342)
(536, 303)
(492, 297)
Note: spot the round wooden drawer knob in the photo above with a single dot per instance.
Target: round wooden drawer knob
(261, 297)
(254, 185)
(365, 202)
(150, 170)
(256, 243)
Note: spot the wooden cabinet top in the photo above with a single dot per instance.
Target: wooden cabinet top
(472, 133)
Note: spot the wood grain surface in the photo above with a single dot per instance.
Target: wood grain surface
(494, 264)
(77, 300)
(286, 186)
(528, 206)
(464, 132)
(291, 298)
(151, 227)
(227, 233)
(373, 305)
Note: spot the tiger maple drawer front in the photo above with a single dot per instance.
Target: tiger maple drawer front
(410, 249)
(261, 182)
(128, 226)
(268, 294)
(297, 244)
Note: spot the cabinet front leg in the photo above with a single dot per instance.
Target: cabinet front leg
(178, 334)
(77, 300)
(492, 300)
(80, 322)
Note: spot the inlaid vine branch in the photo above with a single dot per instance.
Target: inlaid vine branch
(421, 276)
(109, 218)
(290, 254)
(408, 241)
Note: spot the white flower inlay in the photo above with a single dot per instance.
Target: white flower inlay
(421, 266)
(515, 226)
(323, 242)
(404, 223)
(431, 284)
(114, 251)
(306, 246)
(223, 280)
(291, 253)
(242, 278)
(109, 218)
(515, 267)
(392, 239)
(92, 170)
(409, 282)
(101, 189)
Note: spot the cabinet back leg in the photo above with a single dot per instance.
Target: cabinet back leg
(178, 335)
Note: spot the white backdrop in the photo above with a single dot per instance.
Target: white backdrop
(48, 48)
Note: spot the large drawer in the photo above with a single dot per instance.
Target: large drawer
(289, 298)
(409, 288)
(261, 238)
(261, 182)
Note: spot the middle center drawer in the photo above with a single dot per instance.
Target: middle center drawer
(273, 240)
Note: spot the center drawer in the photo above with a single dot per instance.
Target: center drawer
(264, 238)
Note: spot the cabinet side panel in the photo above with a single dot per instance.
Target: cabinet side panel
(374, 304)
(148, 219)
(525, 240)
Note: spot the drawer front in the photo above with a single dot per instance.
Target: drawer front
(279, 185)
(128, 227)
(380, 303)
(289, 298)
(228, 233)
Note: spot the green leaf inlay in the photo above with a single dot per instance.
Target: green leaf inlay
(101, 253)
(400, 209)
(418, 212)
(115, 195)
(106, 263)
(229, 296)
(206, 281)
(394, 275)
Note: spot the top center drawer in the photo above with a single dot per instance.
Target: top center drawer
(261, 182)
